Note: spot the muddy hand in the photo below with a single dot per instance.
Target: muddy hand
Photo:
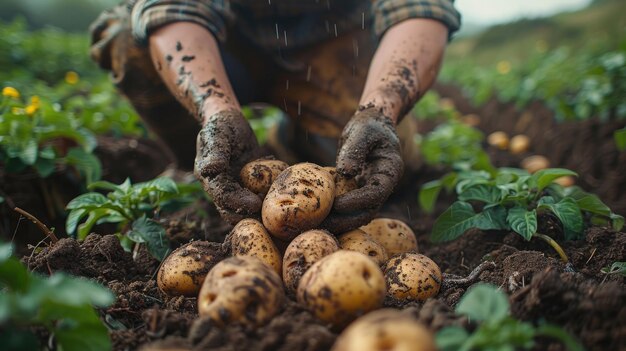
(224, 145)
(369, 147)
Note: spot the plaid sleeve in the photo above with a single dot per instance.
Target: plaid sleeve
(387, 13)
(148, 15)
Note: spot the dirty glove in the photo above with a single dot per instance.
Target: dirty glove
(370, 149)
(224, 145)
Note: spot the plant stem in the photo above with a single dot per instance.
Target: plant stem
(554, 245)
(39, 224)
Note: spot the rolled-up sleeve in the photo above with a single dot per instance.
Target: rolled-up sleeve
(387, 13)
(148, 15)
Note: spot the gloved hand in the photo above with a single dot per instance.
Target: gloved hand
(224, 145)
(370, 149)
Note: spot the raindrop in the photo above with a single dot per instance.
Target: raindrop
(355, 46)
(308, 73)
(285, 103)
(277, 36)
(335, 30)
(285, 37)
(362, 20)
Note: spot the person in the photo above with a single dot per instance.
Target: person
(347, 70)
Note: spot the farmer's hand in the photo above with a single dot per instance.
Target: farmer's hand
(369, 148)
(224, 145)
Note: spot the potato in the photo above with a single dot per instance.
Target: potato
(249, 238)
(394, 235)
(471, 120)
(411, 276)
(535, 163)
(499, 140)
(306, 249)
(299, 200)
(385, 330)
(357, 240)
(259, 175)
(342, 286)
(183, 271)
(519, 144)
(342, 184)
(241, 290)
(565, 181)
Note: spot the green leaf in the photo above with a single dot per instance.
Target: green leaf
(560, 334)
(522, 221)
(569, 214)
(72, 220)
(87, 201)
(592, 203)
(89, 335)
(484, 302)
(481, 192)
(620, 139)
(451, 338)
(148, 231)
(616, 267)
(103, 184)
(460, 217)
(546, 176)
(76, 291)
(428, 195)
(44, 166)
(86, 163)
(94, 216)
(617, 221)
(13, 275)
(28, 154)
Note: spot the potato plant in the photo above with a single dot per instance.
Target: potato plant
(61, 304)
(488, 308)
(512, 200)
(134, 207)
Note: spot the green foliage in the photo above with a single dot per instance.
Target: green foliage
(432, 106)
(35, 135)
(615, 268)
(59, 303)
(620, 139)
(488, 307)
(512, 199)
(133, 207)
(262, 119)
(575, 87)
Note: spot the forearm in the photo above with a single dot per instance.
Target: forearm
(188, 60)
(404, 66)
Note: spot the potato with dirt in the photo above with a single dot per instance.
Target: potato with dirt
(357, 240)
(249, 238)
(303, 251)
(342, 184)
(499, 140)
(394, 235)
(412, 277)
(535, 163)
(519, 144)
(184, 270)
(385, 330)
(341, 287)
(299, 200)
(259, 175)
(241, 290)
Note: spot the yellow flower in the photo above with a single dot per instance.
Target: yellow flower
(10, 92)
(504, 67)
(31, 109)
(71, 77)
(35, 100)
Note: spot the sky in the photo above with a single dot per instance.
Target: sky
(488, 12)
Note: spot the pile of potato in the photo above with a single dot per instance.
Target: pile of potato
(337, 276)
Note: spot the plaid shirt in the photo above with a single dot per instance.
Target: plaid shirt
(288, 23)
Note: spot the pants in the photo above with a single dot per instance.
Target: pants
(318, 87)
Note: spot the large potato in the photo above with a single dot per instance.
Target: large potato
(306, 249)
(342, 184)
(412, 277)
(183, 271)
(341, 287)
(249, 238)
(385, 330)
(299, 200)
(499, 140)
(357, 240)
(259, 175)
(394, 235)
(535, 163)
(241, 290)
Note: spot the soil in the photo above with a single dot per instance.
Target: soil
(576, 296)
